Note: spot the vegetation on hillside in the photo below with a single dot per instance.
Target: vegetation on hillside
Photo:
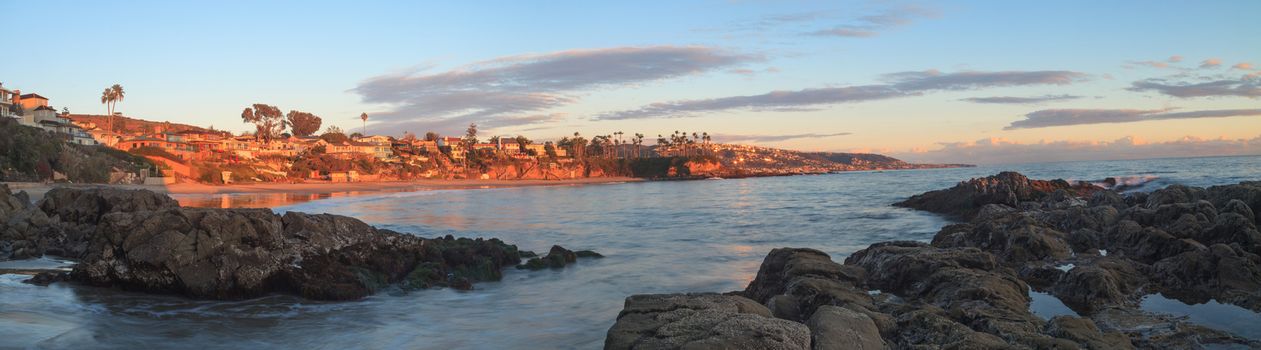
(32, 154)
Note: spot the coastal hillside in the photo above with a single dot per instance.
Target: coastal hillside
(126, 125)
(33, 154)
(767, 160)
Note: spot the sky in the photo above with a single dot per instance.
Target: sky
(942, 81)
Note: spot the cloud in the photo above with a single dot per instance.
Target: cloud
(1211, 63)
(527, 84)
(899, 85)
(1153, 64)
(1175, 59)
(1002, 151)
(775, 100)
(773, 138)
(1247, 86)
(1064, 117)
(935, 80)
(871, 25)
(1242, 66)
(1020, 100)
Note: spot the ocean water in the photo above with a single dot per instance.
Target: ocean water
(658, 237)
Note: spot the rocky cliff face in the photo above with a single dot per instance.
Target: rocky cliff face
(142, 241)
(1097, 251)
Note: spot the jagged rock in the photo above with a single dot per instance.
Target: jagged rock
(1015, 239)
(1248, 193)
(1008, 188)
(702, 321)
(1107, 282)
(1153, 331)
(1174, 194)
(794, 282)
(1226, 273)
(1147, 244)
(833, 327)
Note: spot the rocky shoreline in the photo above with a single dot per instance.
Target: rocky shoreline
(1096, 250)
(142, 241)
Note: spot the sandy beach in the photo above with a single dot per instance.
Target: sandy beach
(37, 190)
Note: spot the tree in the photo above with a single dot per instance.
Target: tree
(521, 143)
(333, 129)
(303, 123)
(550, 149)
(268, 121)
(355, 135)
(364, 117)
(431, 136)
(108, 97)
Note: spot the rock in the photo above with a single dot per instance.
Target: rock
(47, 277)
(1008, 188)
(1174, 194)
(1155, 331)
(702, 321)
(557, 258)
(1247, 192)
(794, 282)
(833, 327)
(1015, 239)
(1146, 244)
(142, 241)
(1109, 282)
(1085, 334)
(1223, 272)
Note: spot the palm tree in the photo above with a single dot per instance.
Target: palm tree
(107, 97)
(364, 117)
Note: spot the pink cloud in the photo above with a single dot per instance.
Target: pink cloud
(1211, 63)
(1175, 59)
(1242, 66)
(1004, 151)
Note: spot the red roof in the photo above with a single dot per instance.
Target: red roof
(26, 96)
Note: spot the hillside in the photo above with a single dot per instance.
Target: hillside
(756, 160)
(127, 125)
(32, 154)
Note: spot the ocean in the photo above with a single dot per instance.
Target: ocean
(658, 237)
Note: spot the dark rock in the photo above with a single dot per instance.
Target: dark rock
(1174, 194)
(588, 254)
(1146, 244)
(142, 241)
(48, 277)
(1084, 332)
(1108, 282)
(702, 321)
(1008, 188)
(1223, 272)
(1015, 239)
(556, 258)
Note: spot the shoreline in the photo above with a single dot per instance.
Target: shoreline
(37, 190)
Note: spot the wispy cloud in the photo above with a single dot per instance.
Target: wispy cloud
(873, 24)
(494, 91)
(1021, 100)
(1175, 59)
(1065, 117)
(1211, 63)
(1152, 64)
(1247, 86)
(774, 138)
(1242, 66)
(899, 85)
(1003, 151)
(936, 80)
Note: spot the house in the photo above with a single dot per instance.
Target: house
(536, 149)
(30, 101)
(456, 146)
(6, 103)
(378, 146)
(178, 148)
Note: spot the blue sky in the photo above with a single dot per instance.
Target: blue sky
(749, 71)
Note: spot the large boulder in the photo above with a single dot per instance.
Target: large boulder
(25, 231)
(702, 321)
(1008, 188)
